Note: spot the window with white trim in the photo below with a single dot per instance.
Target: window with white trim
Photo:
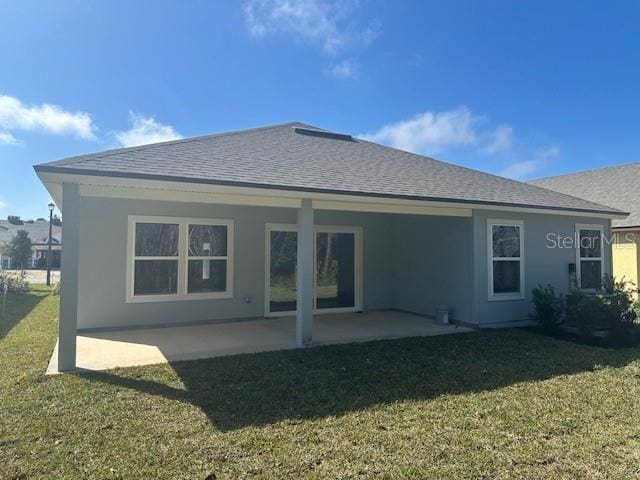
(173, 258)
(589, 256)
(505, 242)
(155, 261)
(207, 263)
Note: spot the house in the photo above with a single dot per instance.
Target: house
(618, 187)
(292, 219)
(38, 231)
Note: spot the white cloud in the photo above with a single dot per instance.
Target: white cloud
(523, 170)
(14, 115)
(520, 170)
(145, 130)
(326, 23)
(500, 140)
(7, 139)
(429, 132)
(433, 132)
(3, 204)
(344, 70)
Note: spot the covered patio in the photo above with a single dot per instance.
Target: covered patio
(145, 346)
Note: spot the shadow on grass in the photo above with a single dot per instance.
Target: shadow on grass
(260, 389)
(18, 307)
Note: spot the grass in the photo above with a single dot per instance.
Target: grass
(494, 404)
(288, 294)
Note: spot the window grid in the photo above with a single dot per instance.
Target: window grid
(580, 259)
(182, 258)
(492, 295)
(205, 259)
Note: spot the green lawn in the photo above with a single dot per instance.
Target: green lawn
(495, 404)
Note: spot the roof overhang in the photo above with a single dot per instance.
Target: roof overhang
(150, 187)
(628, 228)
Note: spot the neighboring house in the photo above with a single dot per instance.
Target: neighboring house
(38, 231)
(617, 187)
(292, 219)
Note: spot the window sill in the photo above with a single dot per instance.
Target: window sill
(505, 297)
(178, 298)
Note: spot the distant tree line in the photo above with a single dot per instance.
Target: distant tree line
(16, 220)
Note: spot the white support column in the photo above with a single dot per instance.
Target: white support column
(306, 240)
(68, 324)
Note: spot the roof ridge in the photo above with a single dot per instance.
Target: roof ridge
(116, 151)
(590, 170)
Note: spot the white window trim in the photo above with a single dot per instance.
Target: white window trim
(588, 226)
(183, 257)
(493, 297)
(286, 227)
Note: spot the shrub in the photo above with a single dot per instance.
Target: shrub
(16, 282)
(589, 313)
(609, 314)
(620, 297)
(547, 308)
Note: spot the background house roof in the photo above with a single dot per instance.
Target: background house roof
(38, 231)
(618, 187)
(300, 157)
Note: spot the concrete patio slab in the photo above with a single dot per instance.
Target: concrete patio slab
(134, 347)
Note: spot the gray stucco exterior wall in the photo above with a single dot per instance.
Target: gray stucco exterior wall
(543, 265)
(410, 262)
(432, 264)
(103, 232)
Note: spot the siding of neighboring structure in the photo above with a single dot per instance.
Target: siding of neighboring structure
(625, 256)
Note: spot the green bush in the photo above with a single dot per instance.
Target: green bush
(610, 312)
(620, 296)
(547, 308)
(15, 282)
(589, 312)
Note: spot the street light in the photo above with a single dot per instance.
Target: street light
(51, 207)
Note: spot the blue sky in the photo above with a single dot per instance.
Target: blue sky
(522, 89)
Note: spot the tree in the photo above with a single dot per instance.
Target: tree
(18, 248)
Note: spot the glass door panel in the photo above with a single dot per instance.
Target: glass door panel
(282, 271)
(335, 270)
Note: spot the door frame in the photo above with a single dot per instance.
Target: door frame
(358, 267)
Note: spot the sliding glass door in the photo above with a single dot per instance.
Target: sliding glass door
(282, 271)
(337, 269)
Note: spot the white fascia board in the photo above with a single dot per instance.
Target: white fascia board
(391, 208)
(117, 187)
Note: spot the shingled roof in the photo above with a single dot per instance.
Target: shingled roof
(617, 187)
(300, 157)
(38, 231)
